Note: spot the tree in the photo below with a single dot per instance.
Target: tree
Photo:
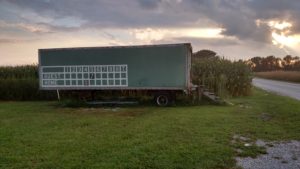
(257, 61)
(288, 59)
(204, 54)
(288, 62)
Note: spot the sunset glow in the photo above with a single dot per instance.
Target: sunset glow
(150, 34)
(284, 40)
(280, 25)
(282, 35)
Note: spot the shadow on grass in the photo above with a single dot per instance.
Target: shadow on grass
(75, 103)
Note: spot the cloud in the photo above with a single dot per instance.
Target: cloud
(34, 28)
(15, 40)
(8, 41)
(236, 18)
(107, 13)
(149, 4)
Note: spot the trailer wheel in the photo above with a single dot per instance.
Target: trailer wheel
(162, 100)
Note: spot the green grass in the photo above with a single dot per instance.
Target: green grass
(42, 135)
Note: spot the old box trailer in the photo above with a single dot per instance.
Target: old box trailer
(159, 69)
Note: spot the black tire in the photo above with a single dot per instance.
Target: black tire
(162, 100)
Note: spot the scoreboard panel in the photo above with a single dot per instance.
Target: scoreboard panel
(84, 76)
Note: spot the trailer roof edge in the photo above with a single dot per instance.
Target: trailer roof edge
(129, 46)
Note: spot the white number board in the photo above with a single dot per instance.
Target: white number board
(84, 76)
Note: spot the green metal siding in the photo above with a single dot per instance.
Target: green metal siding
(148, 66)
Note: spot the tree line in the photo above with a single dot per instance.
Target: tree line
(272, 63)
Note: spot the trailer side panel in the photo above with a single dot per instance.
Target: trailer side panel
(139, 67)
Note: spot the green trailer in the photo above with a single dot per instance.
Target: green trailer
(159, 69)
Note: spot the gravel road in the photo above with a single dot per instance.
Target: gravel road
(279, 87)
(282, 155)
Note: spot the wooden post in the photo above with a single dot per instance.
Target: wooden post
(199, 92)
(58, 96)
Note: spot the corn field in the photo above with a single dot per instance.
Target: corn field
(218, 75)
(224, 77)
(21, 83)
(19, 72)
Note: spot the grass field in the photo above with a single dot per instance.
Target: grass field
(42, 135)
(291, 76)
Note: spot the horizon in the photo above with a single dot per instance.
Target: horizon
(238, 29)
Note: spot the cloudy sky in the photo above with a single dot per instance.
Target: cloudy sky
(233, 28)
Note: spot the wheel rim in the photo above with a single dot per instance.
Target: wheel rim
(162, 100)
